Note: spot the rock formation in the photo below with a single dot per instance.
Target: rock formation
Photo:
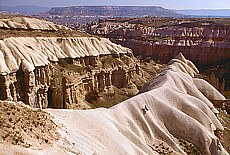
(110, 11)
(57, 67)
(205, 42)
(171, 110)
(201, 41)
(175, 105)
(28, 69)
(29, 24)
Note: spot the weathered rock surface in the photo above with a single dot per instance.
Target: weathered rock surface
(29, 24)
(57, 72)
(206, 43)
(58, 68)
(41, 51)
(30, 69)
(201, 41)
(168, 108)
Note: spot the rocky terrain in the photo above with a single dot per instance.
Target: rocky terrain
(45, 70)
(171, 115)
(163, 38)
(28, 24)
(24, 126)
(111, 11)
(204, 41)
(46, 66)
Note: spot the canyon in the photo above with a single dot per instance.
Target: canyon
(59, 72)
(47, 71)
(205, 41)
(172, 114)
(201, 41)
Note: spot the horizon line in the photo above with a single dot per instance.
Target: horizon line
(121, 6)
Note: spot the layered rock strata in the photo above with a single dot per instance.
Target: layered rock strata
(173, 105)
(30, 69)
(202, 42)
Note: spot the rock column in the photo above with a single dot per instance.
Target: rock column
(30, 89)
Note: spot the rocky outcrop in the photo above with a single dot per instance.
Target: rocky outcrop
(201, 54)
(202, 42)
(171, 115)
(40, 51)
(56, 72)
(27, 23)
(171, 106)
(76, 16)
(59, 67)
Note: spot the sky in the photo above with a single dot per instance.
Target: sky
(169, 4)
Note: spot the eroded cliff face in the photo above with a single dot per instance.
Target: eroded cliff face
(203, 42)
(48, 65)
(172, 114)
(60, 72)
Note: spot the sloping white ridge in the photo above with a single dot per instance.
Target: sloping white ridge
(29, 23)
(176, 109)
(40, 51)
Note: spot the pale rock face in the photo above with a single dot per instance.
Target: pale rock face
(208, 90)
(29, 24)
(172, 105)
(28, 67)
(41, 51)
